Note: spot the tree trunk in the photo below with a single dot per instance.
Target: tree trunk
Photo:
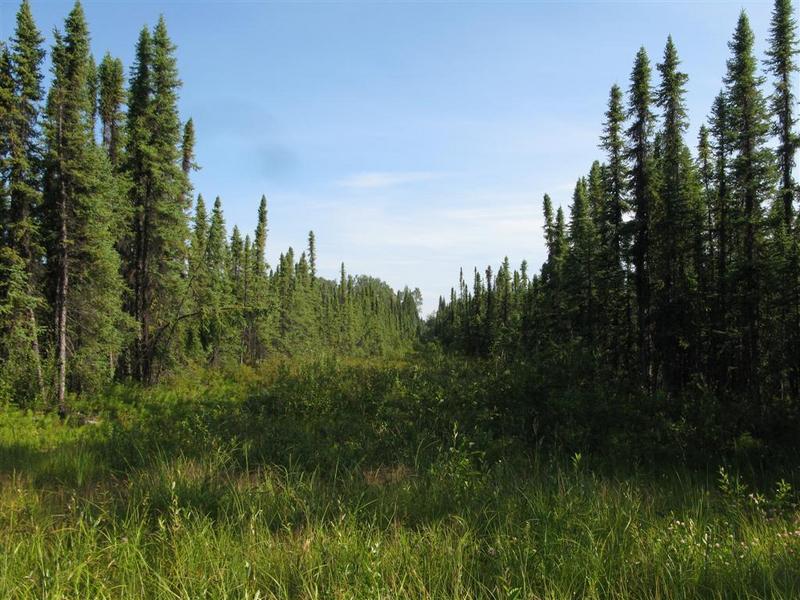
(37, 357)
(62, 287)
(61, 307)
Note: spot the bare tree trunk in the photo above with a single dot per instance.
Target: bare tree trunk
(35, 349)
(62, 290)
(61, 308)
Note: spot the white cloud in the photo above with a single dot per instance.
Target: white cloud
(386, 179)
(425, 244)
(420, 239)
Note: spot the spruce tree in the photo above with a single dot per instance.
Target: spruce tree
(260, 241)
(782, 64)
(111, 84)
(91, 93)
(677, 221)
(312, 255)
(84, 266)
(7, 101)
(582, 262)
(21, 87)
(752, 185)
(219, 287)
(707, 268)
(25, 161)
(259, 328)
(615, 205)
(612, 291)
(188, 159)
(158, 195)
(705, 168)
(642, 188)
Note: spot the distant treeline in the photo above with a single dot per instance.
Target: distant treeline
(106, 267)
(673, 281)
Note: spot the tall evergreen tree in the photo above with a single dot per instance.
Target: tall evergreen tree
(615, 205)
(158, 195)
(91, 93)
(612, 290)
(22, 179)
(582, 262)
(84, 266)
(259, 323)
(7, 101)
(188, 159)
(312, 255)
(705, 167)
(752, 185)
(642, 188)
(217, 262)
(782, 64)
(111, 84)
(676, 224)
(781, 61)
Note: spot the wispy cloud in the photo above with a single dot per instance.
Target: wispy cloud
(459, 230)
(374, 180)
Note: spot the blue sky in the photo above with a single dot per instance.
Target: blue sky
(414, 138)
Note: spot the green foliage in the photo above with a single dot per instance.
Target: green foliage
(111, 97)
(168, 491)
(672, 303)
(19, 380)
(83, 264)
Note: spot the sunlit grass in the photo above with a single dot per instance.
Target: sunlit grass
(120, 510)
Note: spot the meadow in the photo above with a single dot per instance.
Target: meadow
(362, 479)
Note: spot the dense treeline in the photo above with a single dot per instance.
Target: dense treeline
(109, 268)
(673, 281)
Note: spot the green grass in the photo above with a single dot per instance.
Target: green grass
(340, 481)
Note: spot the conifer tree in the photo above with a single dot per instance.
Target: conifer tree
(7, 100)
(752, 184)
(582, 262)
(199, 336)
(312, 255)
(781, 61)
(705, 167)
(260, 322)
(260, 241)
(197, 245)
(84, 266)
(676, 222)
(158, 196)
(219, 286)
(21, 156)
(596, 191)
(782, 64)
(612, 143)
(612, 291)
(111, 84)
(642, 188)
(235, 259)
(707, 250)
(188, 159)
(91, 93)
(720, 127)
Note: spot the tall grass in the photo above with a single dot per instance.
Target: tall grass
(174, 496)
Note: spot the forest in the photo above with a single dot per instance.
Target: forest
(181, 419)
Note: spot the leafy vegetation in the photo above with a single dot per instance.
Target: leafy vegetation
(620, 424)
(670, 291)
(349, 479)
(110, 270)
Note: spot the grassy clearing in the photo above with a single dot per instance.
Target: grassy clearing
(193, 491)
